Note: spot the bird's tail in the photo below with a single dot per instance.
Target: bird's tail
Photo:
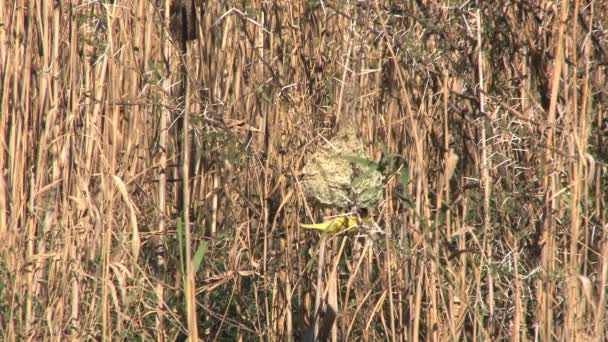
(317, 226)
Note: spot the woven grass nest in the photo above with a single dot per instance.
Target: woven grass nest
(339, 175)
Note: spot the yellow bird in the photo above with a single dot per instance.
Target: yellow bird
(333, 225)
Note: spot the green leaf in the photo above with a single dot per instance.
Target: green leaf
(405, 176)
(389, 162)
(198, 256)
(360, 161)
(389, 155)
(155, 70)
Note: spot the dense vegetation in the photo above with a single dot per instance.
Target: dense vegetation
(151, 163)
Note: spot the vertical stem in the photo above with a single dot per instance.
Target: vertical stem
(515, 332)
(485, 171)
(449, 169)
(214, 201)
(546, 286)
(42, 155)
(599, 325)
(573, 296)
(162, 177)
(190, 283)
(389, 276)
(417, 307)
(110, 143)
(319, 293)
(73, 241)
(5, 70)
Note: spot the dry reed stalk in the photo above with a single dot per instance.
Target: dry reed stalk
(550, 187)
(5, 71)
(190, 281)
(573, 326)
(486, 165)
(110, 148)
(162, 179)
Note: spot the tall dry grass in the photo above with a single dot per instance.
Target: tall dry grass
(488, 120)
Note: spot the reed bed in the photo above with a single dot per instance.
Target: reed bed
(151, 163)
